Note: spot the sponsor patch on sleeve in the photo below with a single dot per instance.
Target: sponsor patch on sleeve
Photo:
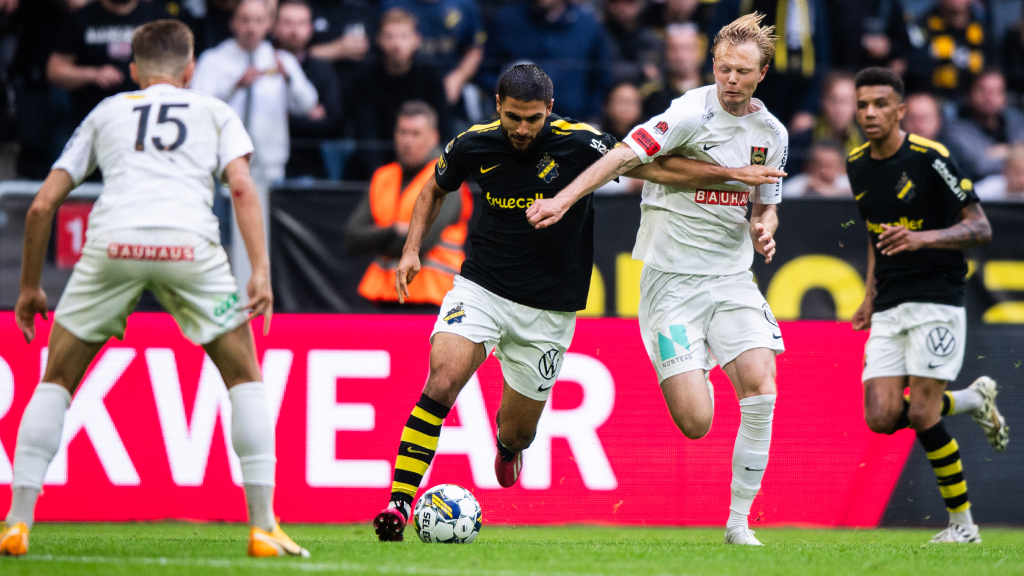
(661, 128)
(646, 141)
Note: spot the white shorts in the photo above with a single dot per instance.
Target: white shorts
(916, 339)
(693, 322)
(187, 273)
(529, 342)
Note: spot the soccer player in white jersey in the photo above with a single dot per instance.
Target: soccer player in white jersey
(152, 228)
(696, 291)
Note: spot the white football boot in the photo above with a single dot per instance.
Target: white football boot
(958, 534)
(741, 535)
(988, 417)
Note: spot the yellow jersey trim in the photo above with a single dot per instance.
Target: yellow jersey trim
(922, 141)
(577, 126)
(858, 149)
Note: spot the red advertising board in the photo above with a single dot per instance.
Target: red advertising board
(72, 221)
(146, 434)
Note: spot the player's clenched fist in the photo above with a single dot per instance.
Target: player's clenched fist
(408, 268)
(764, 242)
(545, 212)
(30, 302)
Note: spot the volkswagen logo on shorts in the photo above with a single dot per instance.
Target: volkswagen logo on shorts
(548, 364)
(768, 315)
(941, 341)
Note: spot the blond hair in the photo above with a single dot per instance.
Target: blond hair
(748, 29)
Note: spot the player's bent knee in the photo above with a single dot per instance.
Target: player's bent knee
(881, 421)
(693, 427)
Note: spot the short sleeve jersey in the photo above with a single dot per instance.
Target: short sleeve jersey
(160, 150)
(95, 37)
(705, 231)
(449, 28)
(920, 188)
(548, 269)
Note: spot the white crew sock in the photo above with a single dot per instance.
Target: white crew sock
(966, 400)
(252, 433)
(750, 455)
(963, 518)
(38, 440)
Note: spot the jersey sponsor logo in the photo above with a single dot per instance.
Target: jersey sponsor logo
(601, 147)
(905, 188)
(758, 155)
(547, 366)
(707, 117)
(454, 315)
(667, 345)
(116, 251)
(721, 197)
(512, 203)
(903, 221)
(706, 147)
(482, 171)
(661, 128)
(547, 168)
(949, 178)
(646, 141)
(941, 341)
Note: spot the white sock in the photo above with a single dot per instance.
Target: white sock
(252, 433)
(750, 455)
(966, 400)
(963, 518)
(38, 440)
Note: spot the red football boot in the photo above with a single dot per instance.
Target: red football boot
(390, 523)
(508, 472)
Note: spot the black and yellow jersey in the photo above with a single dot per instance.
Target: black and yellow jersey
(549, 269)
(920, 188)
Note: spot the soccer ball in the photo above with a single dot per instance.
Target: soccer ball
(448, 514)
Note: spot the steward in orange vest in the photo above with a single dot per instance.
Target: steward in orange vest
(441, 259)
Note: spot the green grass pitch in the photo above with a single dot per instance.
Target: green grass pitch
(181, 548)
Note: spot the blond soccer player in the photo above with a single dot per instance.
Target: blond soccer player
(160, 150)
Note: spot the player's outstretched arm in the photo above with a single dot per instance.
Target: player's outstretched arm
(544, 213)
(764, 220)
(680, 172)
(424, 214)
(32, 298)
(246, 203)
(972, 230)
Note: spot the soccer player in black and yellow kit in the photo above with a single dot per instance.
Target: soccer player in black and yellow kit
(520, 288)
(921, 213)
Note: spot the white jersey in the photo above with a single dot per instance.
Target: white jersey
(160, 150)
(705, 231)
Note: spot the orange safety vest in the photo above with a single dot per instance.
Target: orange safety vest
(390, 204)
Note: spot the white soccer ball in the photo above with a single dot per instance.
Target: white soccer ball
(448, 514)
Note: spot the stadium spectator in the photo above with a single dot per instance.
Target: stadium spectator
(94, 48)
(564, 40)
(380, 223)
(951, 46)
(684, 55)
(386, 82)
(792, 87)
(263, 85)
(985, 127)
(1010, 184)
(292, 32)
(43, 111)
(924, 116)
(214, 25)
(824, 173)
(342, 32)
(623, 109)
(868, 33)
(834, 122)
(661, 14)
(453, 38)
(634, 46)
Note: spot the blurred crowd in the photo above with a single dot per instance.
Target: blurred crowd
(320, 83)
